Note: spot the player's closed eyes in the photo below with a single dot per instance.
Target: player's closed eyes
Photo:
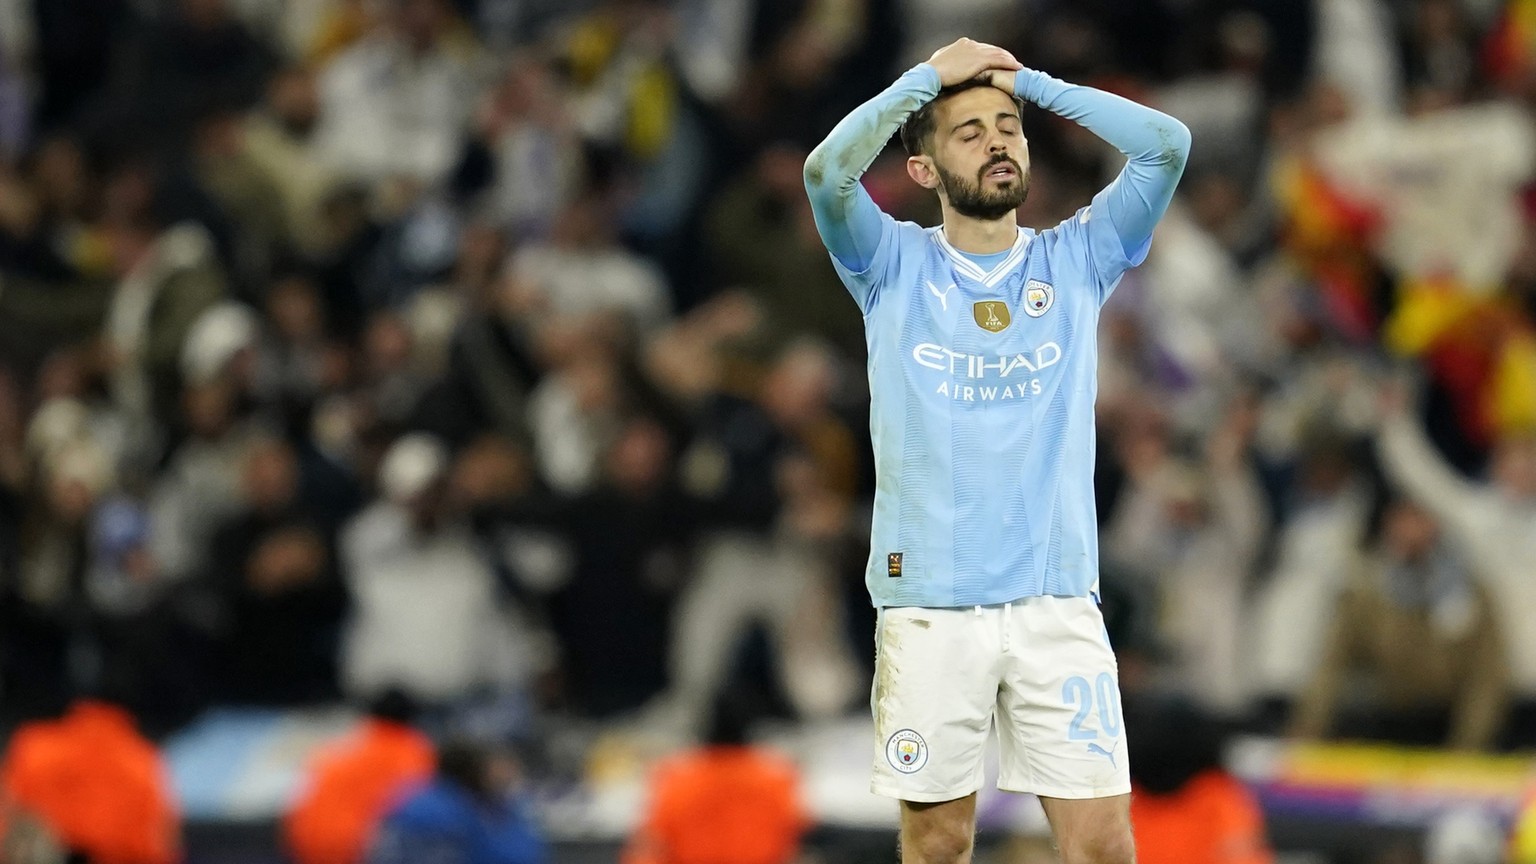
(1009, 132)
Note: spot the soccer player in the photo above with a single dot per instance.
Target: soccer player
(982, 358)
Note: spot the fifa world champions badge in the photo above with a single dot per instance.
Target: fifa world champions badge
(992, 315)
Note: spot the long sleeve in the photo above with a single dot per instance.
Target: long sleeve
(850, 223)
(1414, 466)
(1156, 147)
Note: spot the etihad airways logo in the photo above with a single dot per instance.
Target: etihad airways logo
(987, 377)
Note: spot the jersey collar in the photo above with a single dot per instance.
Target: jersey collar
(970, 268)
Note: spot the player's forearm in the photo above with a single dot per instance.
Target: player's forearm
(837, 162)
(845, 215)
(1156, 147)
(1145, 135)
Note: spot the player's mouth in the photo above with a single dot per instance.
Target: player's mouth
(1002, 171)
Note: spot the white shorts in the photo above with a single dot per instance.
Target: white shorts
(1039, 669)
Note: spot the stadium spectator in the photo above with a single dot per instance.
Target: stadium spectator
(348, 236)
(1186, 807)
(1414, 653)
(246, 194)
(728, 799)
(773, 474)
(95, 783)
(122, 584)
(52, 560)
(271, 573)
(42, 208)
(199, 487)
(297, 362)
(626, 100)
(628, 538)
(393, 105)
(427, 616)
(1325, 522)
(351, 784)
(281, 139)
(583, 272)
(1494, 522)
(1440, 55)
(169, 273)
(491, 366)
(1189, 533)
(525, 155)
(391, 381)
(573, 414)
(469, 812)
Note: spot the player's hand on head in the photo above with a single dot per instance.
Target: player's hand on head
(1002, 79)
(965, 59)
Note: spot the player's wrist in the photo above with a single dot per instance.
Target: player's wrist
(1035, 86)
(926, 74)
(1002, 79)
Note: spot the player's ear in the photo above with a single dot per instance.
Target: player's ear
(922, 172)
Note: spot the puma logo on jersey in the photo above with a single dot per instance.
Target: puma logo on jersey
(944, 297)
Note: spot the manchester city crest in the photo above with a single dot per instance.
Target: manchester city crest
(906, 751)
(1038, 298)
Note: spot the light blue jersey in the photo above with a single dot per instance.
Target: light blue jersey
(983, 375)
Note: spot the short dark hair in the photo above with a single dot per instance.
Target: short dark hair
(731, 717)
(466, 763)
(394, 705)
(921, 123)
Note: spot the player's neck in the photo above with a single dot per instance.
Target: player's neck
(980, 236)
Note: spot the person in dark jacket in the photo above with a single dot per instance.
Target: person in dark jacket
(467, 814)
(1187, 808)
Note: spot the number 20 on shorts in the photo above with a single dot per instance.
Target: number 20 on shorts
(1101, 697)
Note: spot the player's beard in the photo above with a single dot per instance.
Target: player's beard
(976, 200)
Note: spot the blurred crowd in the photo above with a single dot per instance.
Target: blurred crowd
(485, 350)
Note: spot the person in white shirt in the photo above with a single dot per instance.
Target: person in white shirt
(1493, 522)
(426, 615)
